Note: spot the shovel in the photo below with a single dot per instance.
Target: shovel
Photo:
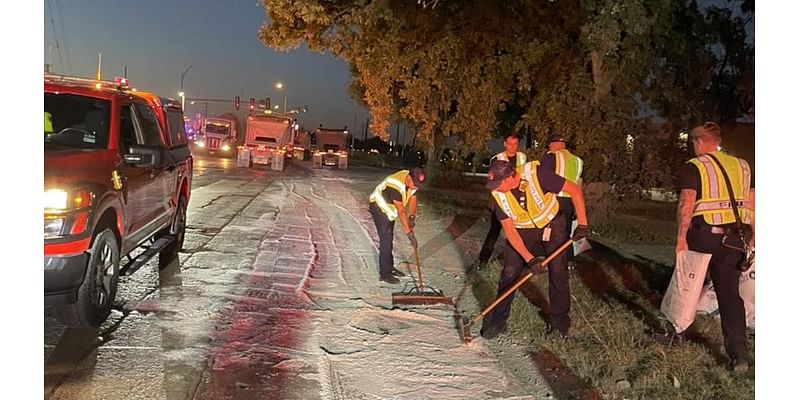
(464, 328)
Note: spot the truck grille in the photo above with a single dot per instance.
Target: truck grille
(212, 143)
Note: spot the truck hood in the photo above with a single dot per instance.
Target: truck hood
(71, 164)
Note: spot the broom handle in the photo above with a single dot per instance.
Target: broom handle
(519, 283)
(421, 285)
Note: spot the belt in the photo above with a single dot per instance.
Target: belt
(717, 230)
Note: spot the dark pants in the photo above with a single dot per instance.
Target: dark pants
(491, 238)
(386, 235)
(566, 208)
(557, 273)
(725, 277)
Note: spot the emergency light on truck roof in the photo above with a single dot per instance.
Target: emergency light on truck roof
(121, 82)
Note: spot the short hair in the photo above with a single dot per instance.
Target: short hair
(707, 132)
(514, 135)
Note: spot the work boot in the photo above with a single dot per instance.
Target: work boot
(738, 365)
(492, 331)
(396, 272)
(390, 279)
(559, 333)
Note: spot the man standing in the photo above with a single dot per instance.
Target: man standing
(387, 203)
(706, 218)
(526, 206)
(517, 159)
(570, 167)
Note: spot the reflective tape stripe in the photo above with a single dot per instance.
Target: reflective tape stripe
(714, 189)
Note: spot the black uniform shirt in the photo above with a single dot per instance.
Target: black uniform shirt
(548, 180)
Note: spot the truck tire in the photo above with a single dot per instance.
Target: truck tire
(178, 228)
(99, 288)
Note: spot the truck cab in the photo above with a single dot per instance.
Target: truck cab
(218, 136)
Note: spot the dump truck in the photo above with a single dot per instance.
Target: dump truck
(331, 148)
(269, 140)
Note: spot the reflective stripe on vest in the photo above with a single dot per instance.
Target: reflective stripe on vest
(521, 159)
(48, 122)
(509, 204)
(396, 181)
(714, 204)
(544, 206)
(568, 166)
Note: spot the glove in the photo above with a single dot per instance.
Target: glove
(535, 264)
(412, 221)
(581, 232)
(412, 238)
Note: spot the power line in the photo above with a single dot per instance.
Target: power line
(60, 16)
(55, 35)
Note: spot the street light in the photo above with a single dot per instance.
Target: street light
(181, 93)
(280, 86)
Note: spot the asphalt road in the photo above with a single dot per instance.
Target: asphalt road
(276, 283)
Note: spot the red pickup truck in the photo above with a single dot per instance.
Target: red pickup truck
(117, 179)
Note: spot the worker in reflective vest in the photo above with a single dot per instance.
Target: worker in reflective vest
(570, 167)
(388, 203)
(526, 206)
(517, 159)
(705, 215)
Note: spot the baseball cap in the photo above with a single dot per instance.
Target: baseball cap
(498, 171)
(555, 138)
(418, 176)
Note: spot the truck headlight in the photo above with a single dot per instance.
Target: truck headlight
(200, 143)
(225, 147)
(55, 199)
(52, 227)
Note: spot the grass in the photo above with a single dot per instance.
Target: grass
(615, 320)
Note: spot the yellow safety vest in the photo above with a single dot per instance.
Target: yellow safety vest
(48, 122)
(568, 166)
(541, 207)
(715, 202)
(395, 181)
(521, 159)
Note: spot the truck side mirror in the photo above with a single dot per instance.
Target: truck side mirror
(143, 156)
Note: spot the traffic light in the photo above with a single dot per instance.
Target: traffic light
(266, 104)
(252, 104)
(236, 102)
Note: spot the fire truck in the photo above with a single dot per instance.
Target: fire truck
(269, 140)
(331, 148)
(218, 137)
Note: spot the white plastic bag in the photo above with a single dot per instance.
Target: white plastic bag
(708, 300)
(747, 291)
(680, 301)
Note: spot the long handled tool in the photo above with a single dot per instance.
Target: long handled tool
(464, 328)
(418, 294)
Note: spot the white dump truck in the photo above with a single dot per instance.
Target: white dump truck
(331, 148)
(269, 140)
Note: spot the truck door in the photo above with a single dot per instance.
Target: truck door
(161, 179)
(142, 192)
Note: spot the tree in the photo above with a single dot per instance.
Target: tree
(597, 71)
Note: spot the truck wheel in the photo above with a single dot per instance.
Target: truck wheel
(178, 229)
(96, 293)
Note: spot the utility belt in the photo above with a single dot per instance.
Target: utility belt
(732, 238)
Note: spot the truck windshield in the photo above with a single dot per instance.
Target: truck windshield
(75, 121)
(219, 129)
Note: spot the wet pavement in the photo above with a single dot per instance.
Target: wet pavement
(276, 296)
